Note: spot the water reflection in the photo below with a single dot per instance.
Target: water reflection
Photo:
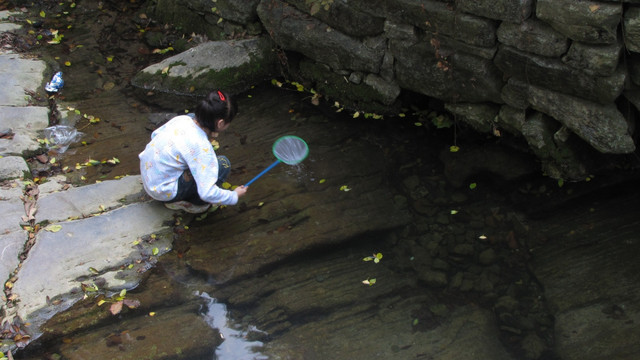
(236, 345)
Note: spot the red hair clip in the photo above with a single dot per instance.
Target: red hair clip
(221, 96)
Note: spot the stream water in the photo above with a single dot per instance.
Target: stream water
(308, 306)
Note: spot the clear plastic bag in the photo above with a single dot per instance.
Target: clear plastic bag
(59, 137)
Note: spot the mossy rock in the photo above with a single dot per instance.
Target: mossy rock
(234, 66)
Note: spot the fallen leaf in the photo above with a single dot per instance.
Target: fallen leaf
(53, 227)
(131, 303)
(116, 308)
(42, 158)
(369, 282)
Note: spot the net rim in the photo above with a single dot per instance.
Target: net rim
(280, 139)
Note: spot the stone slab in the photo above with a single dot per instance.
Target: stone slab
(60, 260)
(22, 142)
(12, 208)
(31, 118)
(13, 167)
(11, 245)
(86, 200)
(7, 27)
(18, 74)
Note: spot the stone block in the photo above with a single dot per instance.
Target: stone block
(298, 31)
(586, 21)
(442, 18)
(514, 11)
(632, 29)
(555, 75)
(343, 16)
(459, 76)
(597, 60)
(601, 126)
(533, 36)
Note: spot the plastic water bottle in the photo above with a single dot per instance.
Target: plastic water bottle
(56, 83)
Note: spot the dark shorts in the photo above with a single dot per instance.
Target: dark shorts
(188, 189)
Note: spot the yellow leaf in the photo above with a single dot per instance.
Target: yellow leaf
(67, 63)
(226, 185)
(322, 181)
(155, 251)
(594, 7)
(454, 148)
(101, 302)
(356, 114)
(153, 313)
(53, 227)
(42, 14)
(165, 70)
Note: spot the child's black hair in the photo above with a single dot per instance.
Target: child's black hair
(217, 105)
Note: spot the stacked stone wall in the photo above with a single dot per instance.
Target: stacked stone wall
(571, 65)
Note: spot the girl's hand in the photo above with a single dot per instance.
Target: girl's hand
(241, 190)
